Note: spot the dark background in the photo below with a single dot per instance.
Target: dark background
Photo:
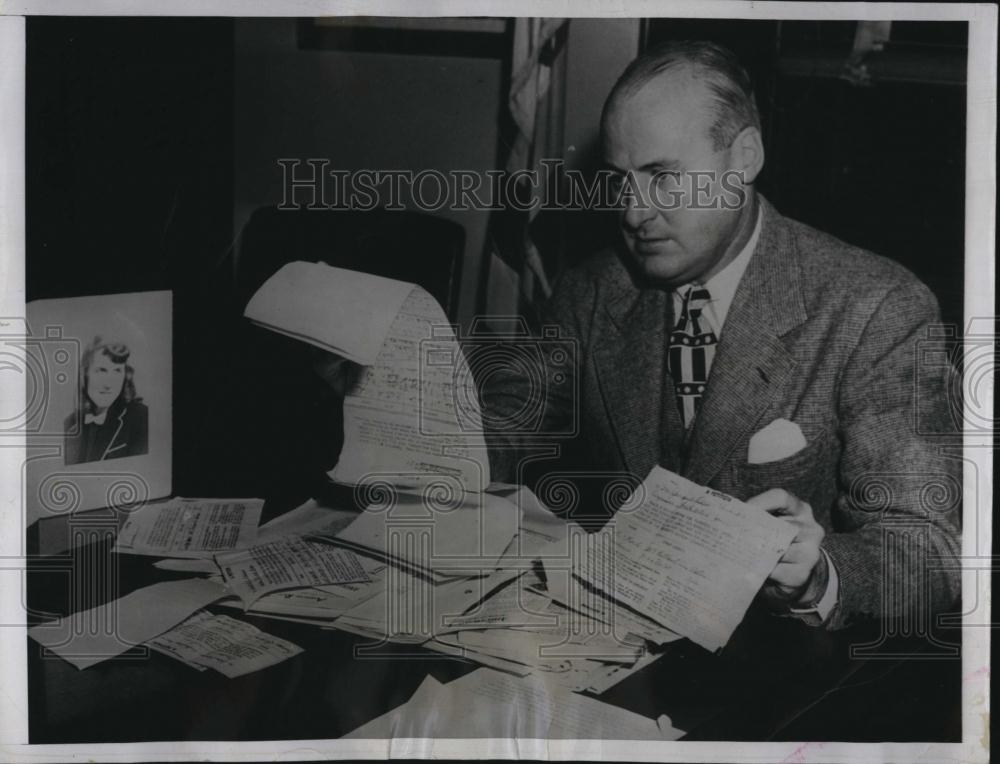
(130, 176)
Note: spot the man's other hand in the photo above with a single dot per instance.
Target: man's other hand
(801, 574)
(337, 372)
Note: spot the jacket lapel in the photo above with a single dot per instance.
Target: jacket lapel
(107, 448)
(751, 363)
(631, 373)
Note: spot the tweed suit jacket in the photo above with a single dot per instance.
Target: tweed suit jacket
(819, 333)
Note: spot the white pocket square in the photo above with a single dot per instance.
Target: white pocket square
(778, 440)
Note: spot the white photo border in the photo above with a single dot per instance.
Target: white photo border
(979, 305)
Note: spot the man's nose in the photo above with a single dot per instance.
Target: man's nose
(638, 211)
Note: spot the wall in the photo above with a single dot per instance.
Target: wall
(599, 50)
(388, 111)
(360, 110)
(129, 188)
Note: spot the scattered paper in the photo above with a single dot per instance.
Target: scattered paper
(190, 527)
(287, 563)
(471, 534)
(577, 597)
(549, 649)
(320, 604)
(510, 607)
(229, 646)
(91, 636)
(691, 558)
(410, 609)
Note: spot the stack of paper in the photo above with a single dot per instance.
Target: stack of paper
(464, 580)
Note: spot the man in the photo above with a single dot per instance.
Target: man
(749, 353)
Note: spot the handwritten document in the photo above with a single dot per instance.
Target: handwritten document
(341, 311)
(229, 646)
(413, 415)
(287, 563)
(690, 558)
(190, 527)
(106, 631)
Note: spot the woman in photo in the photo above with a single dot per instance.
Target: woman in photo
(112, 421)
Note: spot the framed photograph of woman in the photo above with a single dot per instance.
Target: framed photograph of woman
(102, 379)
(112, 421)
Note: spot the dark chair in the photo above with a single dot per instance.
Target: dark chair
(288, 423)
(404, 245)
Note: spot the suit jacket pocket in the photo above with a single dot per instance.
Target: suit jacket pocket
(797, 473)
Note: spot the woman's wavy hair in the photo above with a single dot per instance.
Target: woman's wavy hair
(118, 352)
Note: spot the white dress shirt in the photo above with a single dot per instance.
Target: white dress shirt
(722, 287)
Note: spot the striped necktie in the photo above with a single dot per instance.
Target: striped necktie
(692, 348)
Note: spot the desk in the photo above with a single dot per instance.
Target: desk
(776, 680)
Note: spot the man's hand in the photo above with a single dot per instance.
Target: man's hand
(801, 575)
(337, 372)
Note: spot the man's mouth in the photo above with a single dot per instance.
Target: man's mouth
(645, 244)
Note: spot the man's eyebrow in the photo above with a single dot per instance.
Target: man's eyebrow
(657, 165)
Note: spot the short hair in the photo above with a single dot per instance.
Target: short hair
(118, 352)
(727, 82)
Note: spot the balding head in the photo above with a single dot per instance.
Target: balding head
(680, 134)
(723, 87)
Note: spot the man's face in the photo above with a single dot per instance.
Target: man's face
(660, 130)
(105, 379)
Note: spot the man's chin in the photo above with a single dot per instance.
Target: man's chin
(661, 268)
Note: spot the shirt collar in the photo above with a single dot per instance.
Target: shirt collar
(722, 286)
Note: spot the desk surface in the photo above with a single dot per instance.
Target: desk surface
(776, 680)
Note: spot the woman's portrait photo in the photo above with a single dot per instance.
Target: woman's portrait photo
(112, 421)
(105, 376)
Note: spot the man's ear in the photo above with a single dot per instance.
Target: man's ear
(747, 154)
